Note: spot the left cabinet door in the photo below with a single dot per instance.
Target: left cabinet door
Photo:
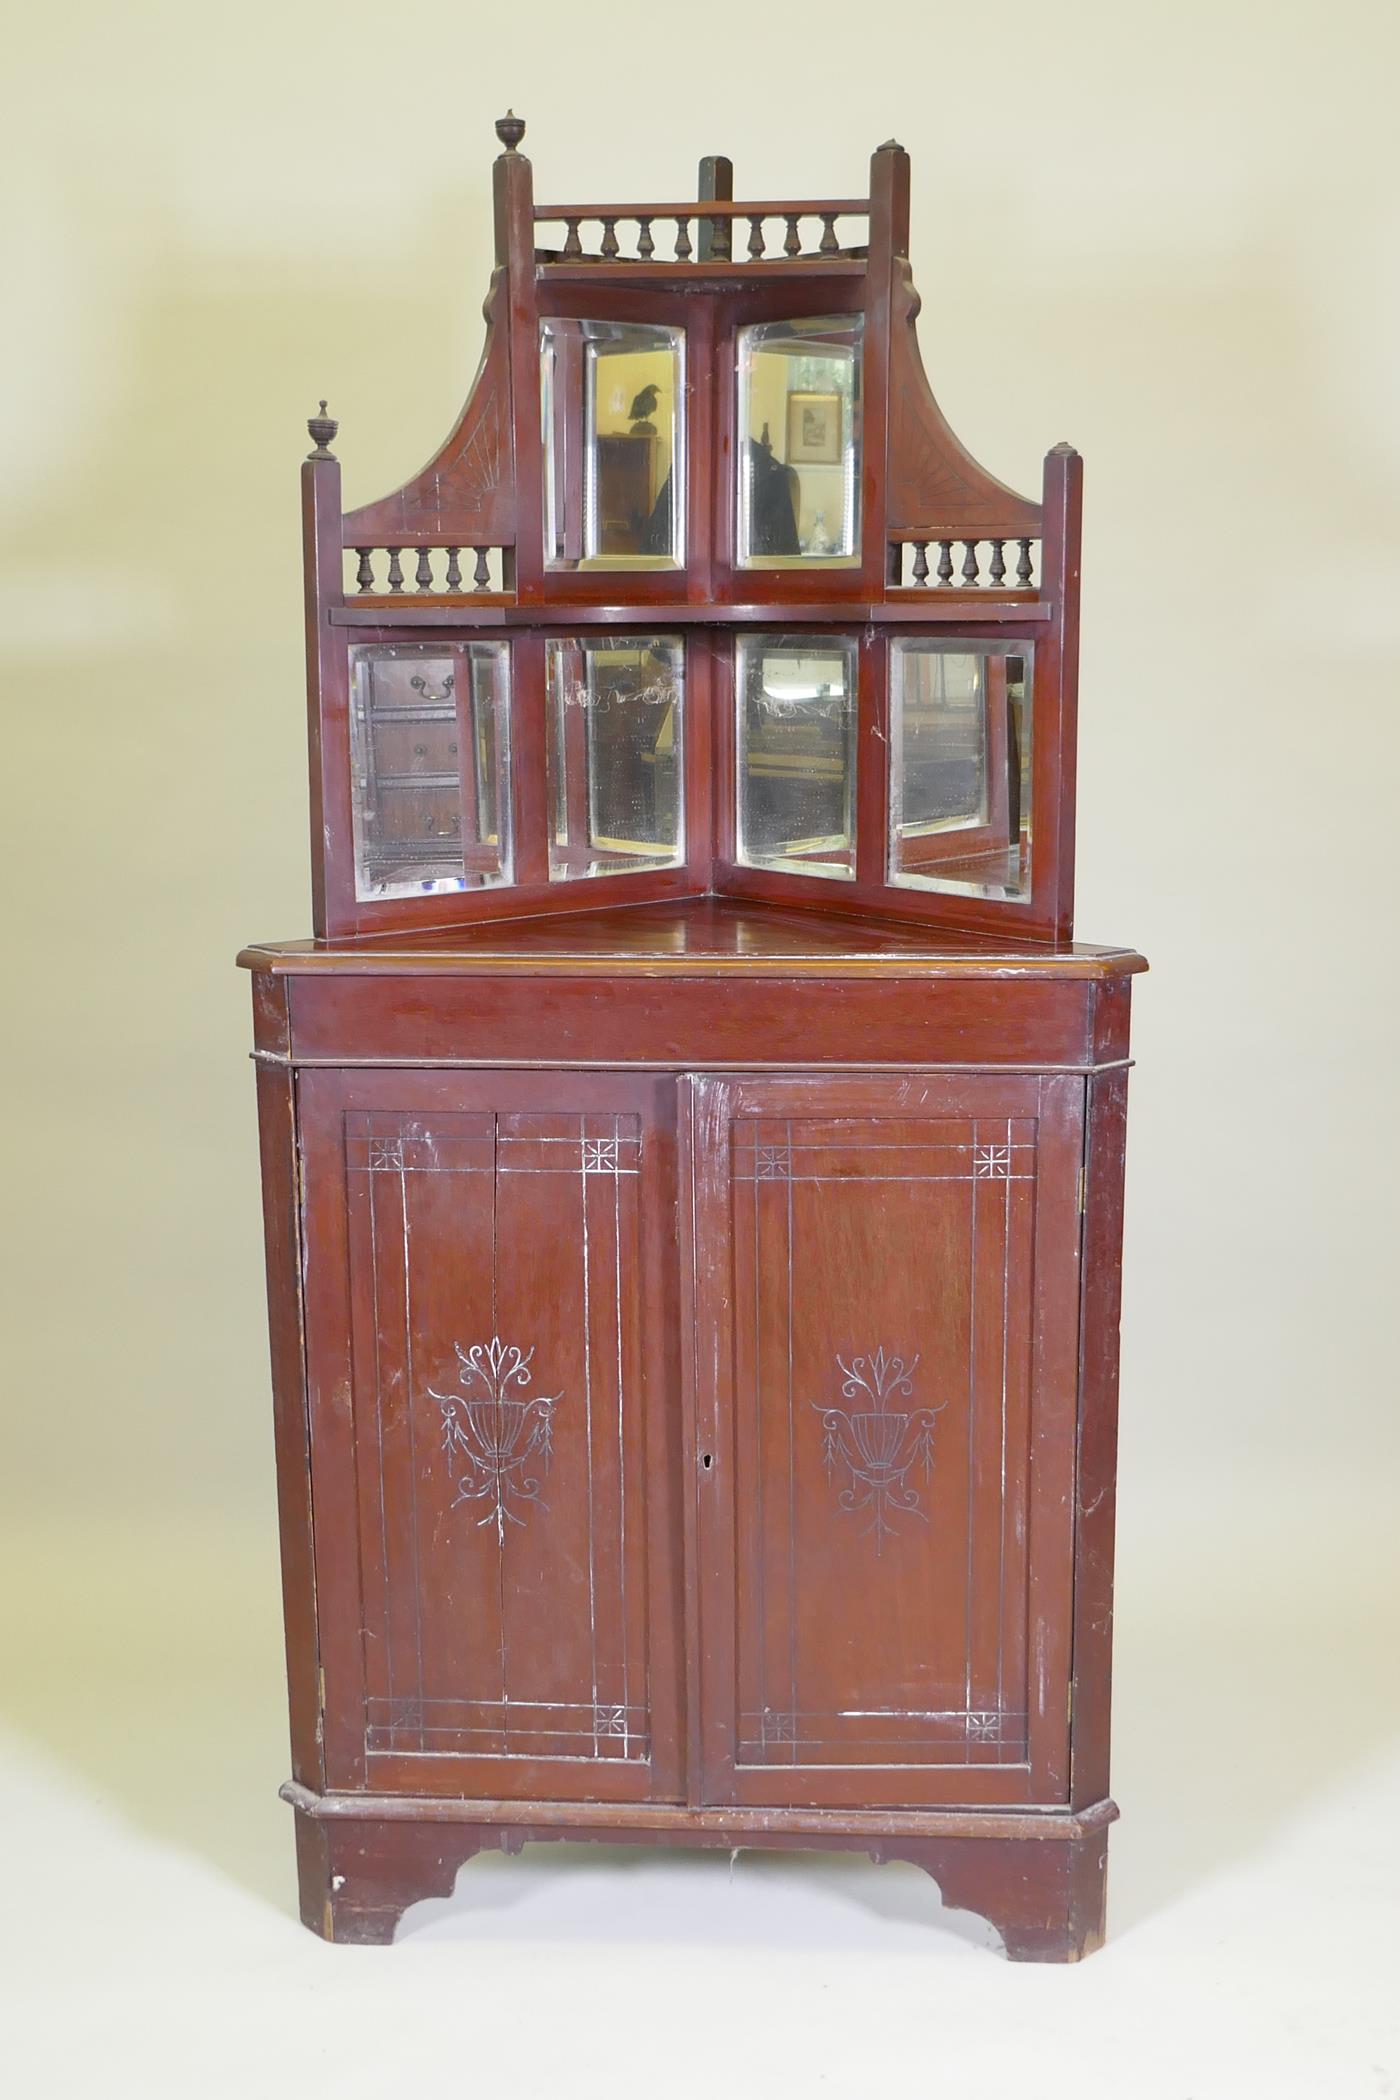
(489, 1275)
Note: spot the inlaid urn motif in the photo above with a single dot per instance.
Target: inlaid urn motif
(875, 1444)
(497, 1434)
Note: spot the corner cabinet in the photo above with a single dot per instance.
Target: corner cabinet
(693, 1140)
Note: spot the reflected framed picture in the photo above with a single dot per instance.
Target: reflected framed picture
(814, 430)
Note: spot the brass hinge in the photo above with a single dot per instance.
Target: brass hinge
(321, 1689)
(1083, 1189)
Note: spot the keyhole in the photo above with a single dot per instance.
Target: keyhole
(707, 1459)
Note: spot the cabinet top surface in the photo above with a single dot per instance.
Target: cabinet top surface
(696, 937)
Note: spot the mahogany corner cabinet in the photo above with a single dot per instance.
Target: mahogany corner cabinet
(692, 1141)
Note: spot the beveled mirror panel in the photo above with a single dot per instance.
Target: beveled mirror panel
(429, 756)
(612, 402)
(796, 745)
(960, 767)
(616, 754)
(798, 451)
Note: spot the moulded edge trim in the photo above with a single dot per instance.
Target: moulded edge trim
(718, 1824)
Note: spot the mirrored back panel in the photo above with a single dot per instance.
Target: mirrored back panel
(429, 757)
(616, 754)
(612, 404)
(960, 767)
(795, 744)
(798, 449)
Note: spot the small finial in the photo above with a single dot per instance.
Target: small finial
(889, 146)
(322, 428)
(510, 130)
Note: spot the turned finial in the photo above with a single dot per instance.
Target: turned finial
(510, 130)
(889, 146)
(322, 428)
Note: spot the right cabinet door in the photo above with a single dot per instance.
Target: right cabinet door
(886, 1320)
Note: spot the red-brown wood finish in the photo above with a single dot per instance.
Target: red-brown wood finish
(489, 1299)
(291, 1424)
(761, 1590)
(1039, 1879)
(485, 487)
(694, 1293)
(886, 1273)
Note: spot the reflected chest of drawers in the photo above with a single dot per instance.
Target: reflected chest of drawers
(692, 1140)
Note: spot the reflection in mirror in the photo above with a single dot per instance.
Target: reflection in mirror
(960, 767)
(612, 403)
(429, 768)
(796, 697)
(615, 755)
(799, 443)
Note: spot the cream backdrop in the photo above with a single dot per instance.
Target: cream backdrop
(1168, 233)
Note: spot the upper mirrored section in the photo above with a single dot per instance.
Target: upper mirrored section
(612, 400)
(796, 737)
(616, 754)
(799, 443)
(960, 768)
(429, 763)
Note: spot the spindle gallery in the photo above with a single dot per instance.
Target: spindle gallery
(692, 1139)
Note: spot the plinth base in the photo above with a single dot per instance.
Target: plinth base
(1039, 1878)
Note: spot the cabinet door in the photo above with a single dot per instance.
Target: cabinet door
(886, 1303)
(490, 1265)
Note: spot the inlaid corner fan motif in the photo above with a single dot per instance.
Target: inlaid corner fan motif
(874, 1444)
(497, 1435)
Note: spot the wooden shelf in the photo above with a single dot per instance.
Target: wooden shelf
(713, 275)
(909, 608)
(695, 937)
